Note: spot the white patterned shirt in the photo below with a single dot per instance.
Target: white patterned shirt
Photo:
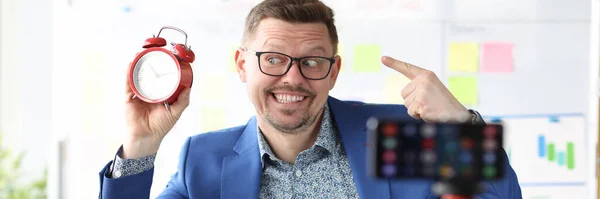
(321, 171)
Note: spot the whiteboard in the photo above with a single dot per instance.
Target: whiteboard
(552, 11)
(547, 151)
(550, 73)
(550, 67)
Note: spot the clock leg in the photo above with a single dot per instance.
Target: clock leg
(166, 105)
(134, 96)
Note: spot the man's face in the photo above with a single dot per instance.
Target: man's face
(289, 103)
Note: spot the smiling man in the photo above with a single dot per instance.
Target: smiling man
(302, 143)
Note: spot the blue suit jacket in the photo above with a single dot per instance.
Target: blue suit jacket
(226, 164)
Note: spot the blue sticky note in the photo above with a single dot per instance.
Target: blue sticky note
(127, 9)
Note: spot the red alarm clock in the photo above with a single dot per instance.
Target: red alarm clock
(158, 74)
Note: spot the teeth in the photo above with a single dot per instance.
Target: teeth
(284, 98)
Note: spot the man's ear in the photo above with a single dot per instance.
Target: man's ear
(335, 70)
(239, 65)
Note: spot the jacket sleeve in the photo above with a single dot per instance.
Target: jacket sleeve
(508, 187)
(138, 186)
(505, 188)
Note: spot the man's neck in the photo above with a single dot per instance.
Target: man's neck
(287, 146)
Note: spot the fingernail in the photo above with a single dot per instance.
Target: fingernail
(386, 58)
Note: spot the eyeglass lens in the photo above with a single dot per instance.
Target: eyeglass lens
(278, 64)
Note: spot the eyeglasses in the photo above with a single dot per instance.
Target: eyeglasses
(278, 64)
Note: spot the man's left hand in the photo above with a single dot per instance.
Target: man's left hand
(425, 96)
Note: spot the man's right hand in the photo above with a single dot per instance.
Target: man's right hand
(147, 124)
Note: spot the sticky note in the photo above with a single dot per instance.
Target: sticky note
(463, 57)
(92, 76)
(213, 86)
(367, 58)
(464, 89)
(212, 118)
(92, 92)
(231, 58)
(497, 57)
(341, 54)
(412, 5)
(392, 88)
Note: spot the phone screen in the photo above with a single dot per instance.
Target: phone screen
(439, 151)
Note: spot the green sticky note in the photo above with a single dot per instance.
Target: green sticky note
(463, 57)
(464, 89)
(367, 58)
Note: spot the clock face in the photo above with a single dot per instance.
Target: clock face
(156, 75)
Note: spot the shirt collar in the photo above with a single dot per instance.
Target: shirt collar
(326, 138)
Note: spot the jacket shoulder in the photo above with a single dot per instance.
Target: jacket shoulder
(379, 109)
(216, 142)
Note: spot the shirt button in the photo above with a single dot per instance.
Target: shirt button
(298, 173)
(117, 173)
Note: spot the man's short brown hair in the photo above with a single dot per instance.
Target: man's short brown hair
(292, 11)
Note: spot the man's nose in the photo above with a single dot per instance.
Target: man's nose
(293, 76)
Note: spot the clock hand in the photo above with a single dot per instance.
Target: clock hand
(153, 70)
(163, 74)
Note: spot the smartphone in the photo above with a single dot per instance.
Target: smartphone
(412, 149)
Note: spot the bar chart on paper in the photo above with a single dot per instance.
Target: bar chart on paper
(549, 152)
(546, 150)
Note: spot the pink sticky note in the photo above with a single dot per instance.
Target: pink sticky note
(497, 57)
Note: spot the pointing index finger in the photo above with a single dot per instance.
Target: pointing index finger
(408, 70)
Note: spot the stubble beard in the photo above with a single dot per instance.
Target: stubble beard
(306, 119)
(290, 128)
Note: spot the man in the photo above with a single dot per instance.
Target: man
(302, 143)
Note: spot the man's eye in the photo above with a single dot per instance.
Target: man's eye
(310, 62)
(274, 60)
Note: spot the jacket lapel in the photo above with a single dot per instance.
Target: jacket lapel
(241, 173)
(351, 123)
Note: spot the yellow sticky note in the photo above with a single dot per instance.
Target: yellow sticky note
(92, 92)
(341, 54)
(464, 89)
(231, 58)
(367, 58)
(213, 86)
(463, 57)
(392, 88)
(212, 118)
